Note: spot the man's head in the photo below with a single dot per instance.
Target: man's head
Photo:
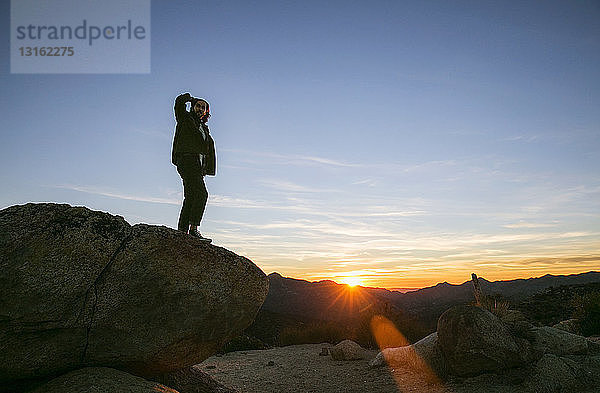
(200, 107)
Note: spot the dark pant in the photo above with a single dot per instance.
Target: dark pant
(195, 194)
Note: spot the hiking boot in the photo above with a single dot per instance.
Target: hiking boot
(196, 234)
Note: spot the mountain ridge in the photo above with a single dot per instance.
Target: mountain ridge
(445, 283)
(299, 302)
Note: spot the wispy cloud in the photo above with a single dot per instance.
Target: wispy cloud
(301, 206)
(429, 165)
(296, 159)
(557, 136)
(116, 194)
(152, 132)
(521, 138)
(366, 182)
(288, 186)
(215, 200)
(524, 224)
(239, 203)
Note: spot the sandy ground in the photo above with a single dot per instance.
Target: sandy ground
(299, 368)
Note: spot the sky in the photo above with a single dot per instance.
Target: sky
(403, 143)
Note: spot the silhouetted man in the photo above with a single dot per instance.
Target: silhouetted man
(194, 155)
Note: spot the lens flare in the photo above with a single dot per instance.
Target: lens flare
(401, 357)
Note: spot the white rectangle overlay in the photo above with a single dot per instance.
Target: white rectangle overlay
(80, 36)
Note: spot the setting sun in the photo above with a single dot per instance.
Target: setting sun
(351, 281)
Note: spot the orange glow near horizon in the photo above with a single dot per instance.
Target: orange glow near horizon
(413, 280)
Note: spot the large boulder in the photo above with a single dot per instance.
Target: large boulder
(559, 342)
(475, 341)
(518, 325)
(192, 380)
(347, 350)
(570, 325)
(101, 380)
(554, 374)
(84, 288)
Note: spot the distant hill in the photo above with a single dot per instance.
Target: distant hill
(556, 303)
(331, 301)
(323, 300)
(294, 302)
(430, 303)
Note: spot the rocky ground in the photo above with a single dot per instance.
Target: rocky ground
(299, 368)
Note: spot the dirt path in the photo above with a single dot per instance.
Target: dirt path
(299, 368)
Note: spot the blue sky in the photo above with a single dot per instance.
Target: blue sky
(407, 143)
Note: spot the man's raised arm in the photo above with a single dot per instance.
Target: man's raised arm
(180, 101)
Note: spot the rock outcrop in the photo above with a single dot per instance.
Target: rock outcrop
(192, 380)
(558, 342)
(570, 325)
(474, 341)
(347, 350)
(555, 374)
(101, 380)
(473, 350)
(84, 288)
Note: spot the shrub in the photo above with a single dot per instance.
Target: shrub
(315, 333)
(587, 312)
(243, 343)
(392, 323)
(495, 305)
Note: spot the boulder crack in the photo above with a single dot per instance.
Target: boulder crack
(94, 287)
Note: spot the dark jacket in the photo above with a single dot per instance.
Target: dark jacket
(188, 137)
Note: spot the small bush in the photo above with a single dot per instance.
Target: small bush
(587, 312)
(243, 343)
(315, 333)
(495, 305)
